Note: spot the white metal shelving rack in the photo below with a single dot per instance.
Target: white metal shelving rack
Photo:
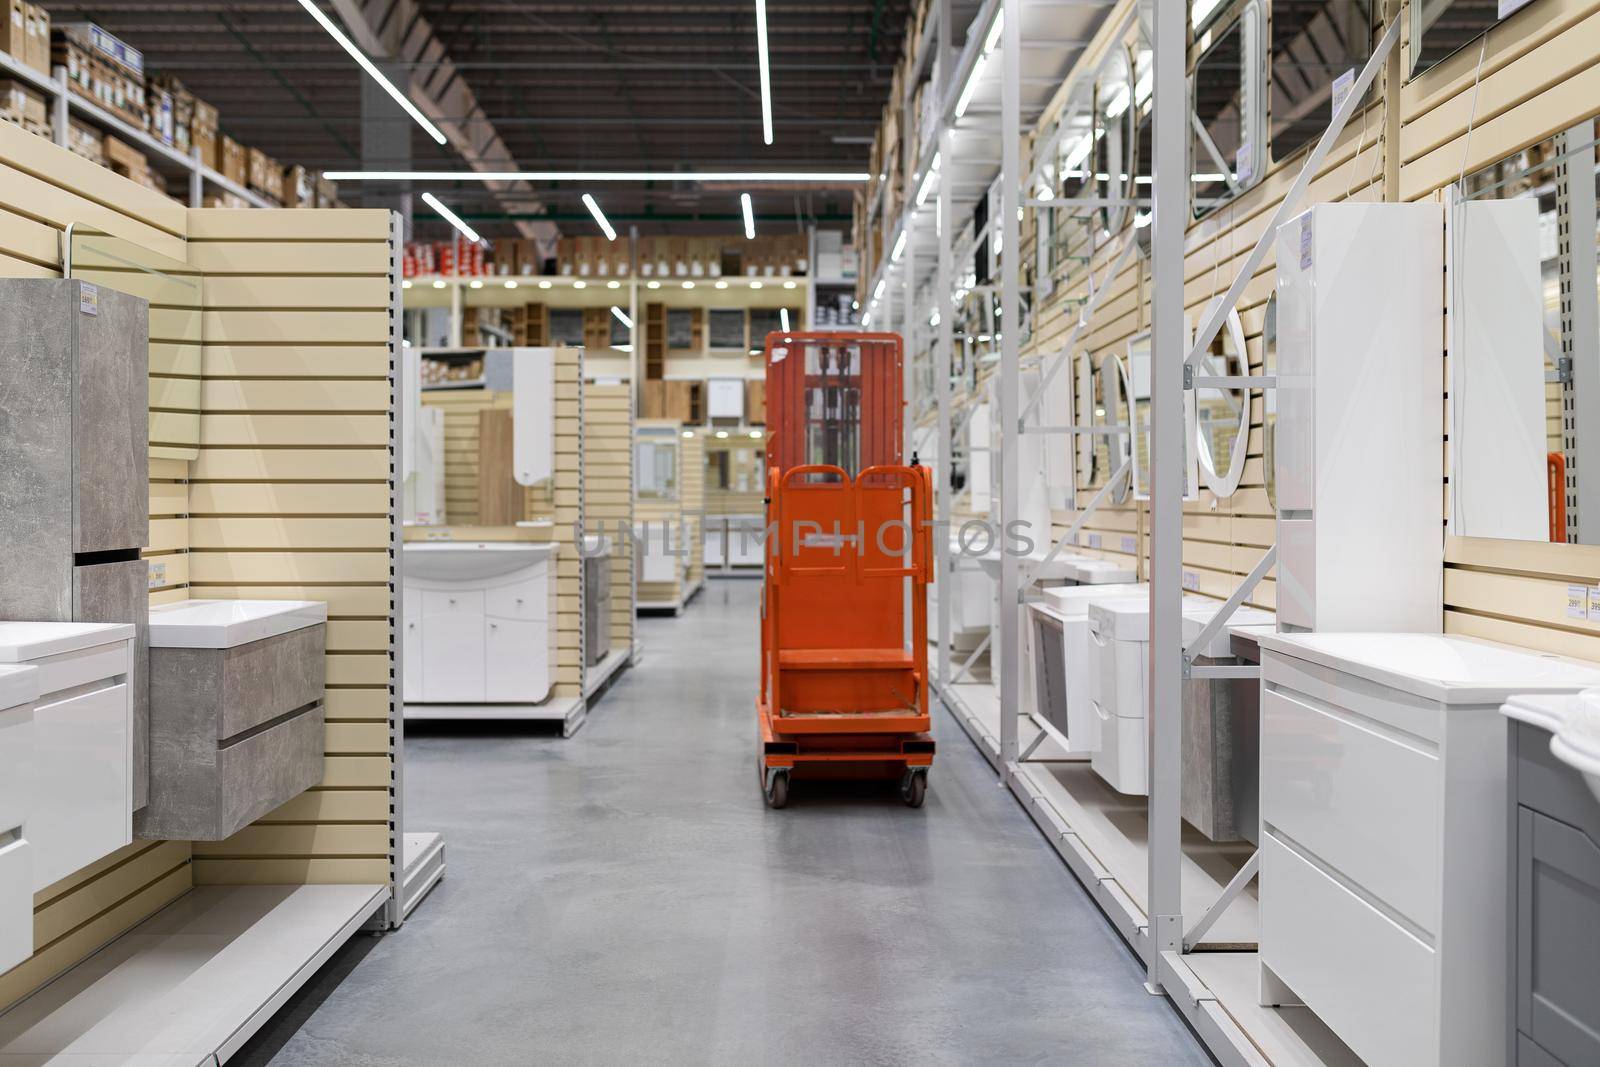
(165, 159)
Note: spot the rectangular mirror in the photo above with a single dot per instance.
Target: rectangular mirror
(656, 463)
(1441, 28)
(726, 327)
(1313, 43)
(175, 291)
(1225, 127)
(1524, 337)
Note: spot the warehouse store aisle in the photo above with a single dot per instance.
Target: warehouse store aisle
(625, 895)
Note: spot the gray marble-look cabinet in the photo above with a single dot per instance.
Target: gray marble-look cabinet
(75, 484)
(235, 731)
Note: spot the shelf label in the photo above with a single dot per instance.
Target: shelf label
(1305, 241)
(1341, 88)
(1094, 540)
(1130, 544)
(1577, 602)
(1191, 581)
(89, 299)
(158, 575)
(1594, 603)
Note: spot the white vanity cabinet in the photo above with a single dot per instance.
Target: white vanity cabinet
(478, 623)
(1384, 872)
(80, 790)
(1072, 712)
(19, 688)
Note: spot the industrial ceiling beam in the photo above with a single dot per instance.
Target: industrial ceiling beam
(395, 30)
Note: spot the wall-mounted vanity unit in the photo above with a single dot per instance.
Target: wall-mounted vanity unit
(1359, 470)
(1384, 873)
(80, 782)
(19, 689)
(1060, 622)
(478, 622)
(75, 483)
(236, 713)
(1553, 919)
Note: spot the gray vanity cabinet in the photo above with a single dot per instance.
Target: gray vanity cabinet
(1555, 907)
(75, 484)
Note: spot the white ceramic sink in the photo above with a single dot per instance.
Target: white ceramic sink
(467, 560)
(1100, 572)
(230, 623)
(1442, 667)
(1573, 721)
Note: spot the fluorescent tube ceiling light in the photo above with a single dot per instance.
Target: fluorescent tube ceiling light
(599, 216)
(829, 177)
(451, 217)
(899, 247)
(622, 316)
(766, 71)
(749, 217)
(927, 181)
(989, 44)
(783, 318)
(366, 65)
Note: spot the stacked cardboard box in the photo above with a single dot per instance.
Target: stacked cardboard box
(25, 34)
(327, 193)
(25, 106)
(264, 175)
(299, 188)
(232, 156)
(102, 68)
(84, 140)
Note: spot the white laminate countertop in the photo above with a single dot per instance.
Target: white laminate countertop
(1441, 667)
(230, 623)
(19, 685)
(24, 641)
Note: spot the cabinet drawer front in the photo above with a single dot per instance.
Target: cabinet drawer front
(528, 601)
(518, 661)
(72, 669)
(82, 802)
(16, 756)
(454, 602)
(1361, 798)
(1372, 982)
(1558, 937)
(16, 898)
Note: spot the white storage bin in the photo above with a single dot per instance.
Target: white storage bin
(80, 791)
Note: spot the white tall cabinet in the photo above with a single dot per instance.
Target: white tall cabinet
(1360, 429)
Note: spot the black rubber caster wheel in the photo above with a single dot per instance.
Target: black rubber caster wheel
(914, 788)
(777, 791)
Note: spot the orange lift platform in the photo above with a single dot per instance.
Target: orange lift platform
(844, 629)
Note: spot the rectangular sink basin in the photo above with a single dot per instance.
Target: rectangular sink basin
(1441, 667)
(469, 560)
(230, 623)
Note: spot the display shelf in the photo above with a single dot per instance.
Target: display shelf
(568, 711)
(193, 982)
(439, 387)
(598, 676)
(166, 160)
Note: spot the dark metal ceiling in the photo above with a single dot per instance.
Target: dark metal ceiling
(585, 84)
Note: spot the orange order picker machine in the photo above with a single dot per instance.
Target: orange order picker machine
(844, 636)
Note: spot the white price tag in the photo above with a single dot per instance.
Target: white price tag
(1342, 86)
(1594, 603)
(1094, 540)
(1191, 581)
(89, 299)
(1577, 602)
(1130, 544)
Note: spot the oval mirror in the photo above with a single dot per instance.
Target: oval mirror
(1114, 133)
(1112, 400)
(1222, 416)
(1269, 416)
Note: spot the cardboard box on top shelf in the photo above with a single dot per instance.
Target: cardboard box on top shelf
(600, 256)
(38, 38)
(160, 119)
(234, 160)
(566, 256)
(327, 192)
(257, 166)
(203, 141)
(299, 187)
(646, 249)
(14, 30)
(663, 256)
(85, 140)
(104, 45)
(23, 104)
(206, 115)
(123, 157)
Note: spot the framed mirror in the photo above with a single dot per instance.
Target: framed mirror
(1114, 134)
(1441, 28)
(1139, 380)
(1313, 42)
(656, 463)
(1225, 129)
(1088, 446)
(1222, 416)
(1269, 402)
(1111, 398)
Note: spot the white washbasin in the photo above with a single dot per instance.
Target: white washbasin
(1100, 572)
(1441, 667)
(1032, 568)
(466, 560)
(1574, 723)
(230, 623)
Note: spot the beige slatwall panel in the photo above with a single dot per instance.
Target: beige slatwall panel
(567, 509)
(608, 491)
(290, 499)
(42, 189)
(693, 491)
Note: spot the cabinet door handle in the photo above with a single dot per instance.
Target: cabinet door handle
(452, 601)
(519, 602)
(494, 626)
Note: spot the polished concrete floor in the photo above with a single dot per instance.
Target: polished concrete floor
(624, 895)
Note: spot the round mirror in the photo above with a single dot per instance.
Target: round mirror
(1222, 416)
(1269, 418)
(1114, 133)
